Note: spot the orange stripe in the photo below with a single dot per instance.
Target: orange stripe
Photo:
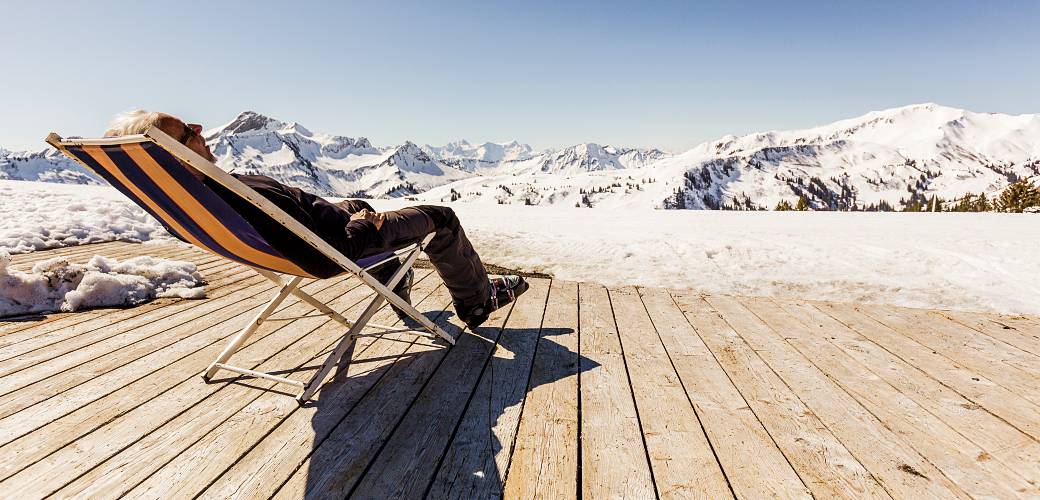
(203, 217)
(102, 158)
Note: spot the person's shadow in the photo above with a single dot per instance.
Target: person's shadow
(439, 405)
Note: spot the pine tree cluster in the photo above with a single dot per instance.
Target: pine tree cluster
(1018, 197)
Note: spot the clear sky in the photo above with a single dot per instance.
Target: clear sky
(555, 73)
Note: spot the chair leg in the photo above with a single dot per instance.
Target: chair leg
(309, 299)
(401, 304)
(334, 357)
(236, 343)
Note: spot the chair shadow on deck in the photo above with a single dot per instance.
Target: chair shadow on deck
(445, 425)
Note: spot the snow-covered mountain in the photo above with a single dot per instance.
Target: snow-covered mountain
(47, 165)
(327, 165)
(489, 152)
(892, 157)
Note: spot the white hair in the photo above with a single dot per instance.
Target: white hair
(132, 122)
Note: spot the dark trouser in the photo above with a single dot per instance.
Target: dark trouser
(450, 252)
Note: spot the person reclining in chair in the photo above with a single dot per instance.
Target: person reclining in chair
(353, 227)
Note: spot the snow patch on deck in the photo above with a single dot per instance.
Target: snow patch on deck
(57, 285)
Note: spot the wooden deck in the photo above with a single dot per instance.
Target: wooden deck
(575, 391)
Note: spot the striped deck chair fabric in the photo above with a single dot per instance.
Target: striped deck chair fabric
(153, 170)
(160, 184)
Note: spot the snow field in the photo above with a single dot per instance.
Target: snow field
(42, 215)
(966, 261)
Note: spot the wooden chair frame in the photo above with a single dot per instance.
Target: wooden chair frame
(287, 284)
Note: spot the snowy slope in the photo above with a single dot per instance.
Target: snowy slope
(488, 152)
(892, 156)
(947, 261)
(324, 164)
(48, 165)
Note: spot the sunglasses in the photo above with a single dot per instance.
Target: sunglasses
(190, 131)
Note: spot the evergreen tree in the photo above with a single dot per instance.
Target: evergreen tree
(803, 204)
(965, 204)
(983, 204)
(783, 206)
(1019, 197)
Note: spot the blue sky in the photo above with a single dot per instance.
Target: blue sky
(663, 74)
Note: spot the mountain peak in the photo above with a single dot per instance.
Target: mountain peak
(248, 121)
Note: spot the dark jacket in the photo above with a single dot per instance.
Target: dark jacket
(328, 221)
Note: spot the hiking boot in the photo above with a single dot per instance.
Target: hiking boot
(404, 290)
(504, 290)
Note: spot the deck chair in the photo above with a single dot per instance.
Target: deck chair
(152, 169)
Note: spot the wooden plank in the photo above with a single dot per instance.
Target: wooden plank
(950, 451)
(744, 447)
(42, 335)
(1027, 325)
(682, 459)
(978, 341)
(406, 464)
(825, 465)
(154, 425)
(545, 455)
(51, 378)
(249, 455)
(92, 404)
(614, 460)
(26, 260)
(996, 399)
(73, 343)
(1016, 450)
(82, 254)
(902, 471)
(1002, 331)
(982, 357)
(339, 462)
(475, 463)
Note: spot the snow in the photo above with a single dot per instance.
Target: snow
(41, 215)
(885, 155)
(57, 285)
(965, 261)
(919, 151)
(968, 261)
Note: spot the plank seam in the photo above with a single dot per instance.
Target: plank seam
(879, 377)
(687, 394)
(207, 397)
(940, 382)
(631, 394)
(858, 402)
(171, 387)
(527, 390)
(764, 427)
(317, 445)
(469, 400)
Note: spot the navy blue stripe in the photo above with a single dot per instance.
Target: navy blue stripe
(368, 261)
(140, 179)
(105, 174)
(216, 205)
